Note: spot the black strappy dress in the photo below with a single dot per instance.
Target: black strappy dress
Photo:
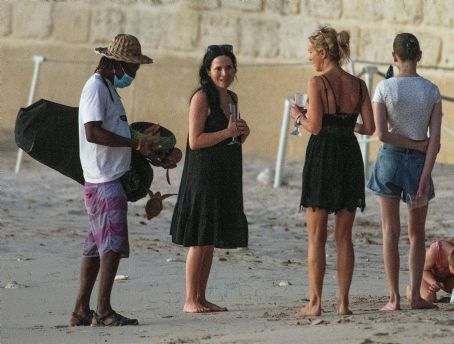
(333, 174)
(209, 209)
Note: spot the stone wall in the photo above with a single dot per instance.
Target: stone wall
(269, 38)
(267, 31)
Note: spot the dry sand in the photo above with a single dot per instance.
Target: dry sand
(42, 225)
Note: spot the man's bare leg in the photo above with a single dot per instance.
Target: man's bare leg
(88, 272)
(109, 267)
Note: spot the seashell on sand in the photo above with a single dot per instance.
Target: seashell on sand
(14, 285)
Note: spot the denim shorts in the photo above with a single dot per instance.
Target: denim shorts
(396, 173)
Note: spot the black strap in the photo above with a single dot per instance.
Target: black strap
(334, 95)
(326, 93)
(233, 96)
(360, 101)
(108, 88)
(358, 106)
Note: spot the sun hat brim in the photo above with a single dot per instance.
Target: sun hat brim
(140, 59)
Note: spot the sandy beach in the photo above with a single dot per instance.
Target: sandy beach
(42, 228)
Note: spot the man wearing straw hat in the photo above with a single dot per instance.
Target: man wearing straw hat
(105, 153)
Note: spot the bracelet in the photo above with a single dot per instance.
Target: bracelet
(139, 145)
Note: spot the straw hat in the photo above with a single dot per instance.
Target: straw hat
(124, 48)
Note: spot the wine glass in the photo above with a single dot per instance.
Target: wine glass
(299, 100)
(235, 116)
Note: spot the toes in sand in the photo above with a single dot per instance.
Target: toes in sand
(195, 307)
(213, 307)
(344, 311)
(422, 304)
(391, 306)
(308, 311)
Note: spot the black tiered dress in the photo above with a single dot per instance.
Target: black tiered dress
(209, 209)
(333, 174)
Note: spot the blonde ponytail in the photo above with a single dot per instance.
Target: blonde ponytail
(343, 40)
(336, 45)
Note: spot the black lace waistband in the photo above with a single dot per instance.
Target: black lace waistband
(336, 130)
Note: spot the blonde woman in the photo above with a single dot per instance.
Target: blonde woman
(333, 175)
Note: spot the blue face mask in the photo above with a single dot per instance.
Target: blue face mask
(124, 81)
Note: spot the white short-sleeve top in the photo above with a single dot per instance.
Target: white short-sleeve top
(409, 102)
(100, 102)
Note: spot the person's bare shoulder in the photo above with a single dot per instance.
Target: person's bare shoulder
(198, 107)
(431, 253)
(199, 97)
(315, 82)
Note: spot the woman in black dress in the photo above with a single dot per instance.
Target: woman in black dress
(333, 175)
(209, 210)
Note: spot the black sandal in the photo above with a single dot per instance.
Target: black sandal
(80, 320)
(115, 320)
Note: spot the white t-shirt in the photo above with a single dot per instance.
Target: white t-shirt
(409, 102)
(102, 163)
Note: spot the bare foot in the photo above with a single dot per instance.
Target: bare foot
(195, 307)
(422, 304)
(308, 311)
(419, 303)
(343, 307)
(408, 292)
(426, 295)
(213, 308)
(391, 306)
(344, 311)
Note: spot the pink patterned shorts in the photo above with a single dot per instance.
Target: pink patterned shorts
(107, 208)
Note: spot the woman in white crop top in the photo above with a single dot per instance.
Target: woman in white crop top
(407, 114)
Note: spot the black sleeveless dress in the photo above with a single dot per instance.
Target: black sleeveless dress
(209, 209)
(333, 174)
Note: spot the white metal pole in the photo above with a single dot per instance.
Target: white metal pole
(370, 71)
(38, 60)
(352, 67)
(282, 145)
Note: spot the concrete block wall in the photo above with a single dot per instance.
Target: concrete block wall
(269, 38)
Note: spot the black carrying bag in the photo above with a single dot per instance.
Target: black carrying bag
(49, 133)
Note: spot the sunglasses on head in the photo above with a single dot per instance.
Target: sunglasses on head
(227, 47)
(322, 33)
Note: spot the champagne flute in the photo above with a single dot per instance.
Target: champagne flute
(235, 116)
(299, 100)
